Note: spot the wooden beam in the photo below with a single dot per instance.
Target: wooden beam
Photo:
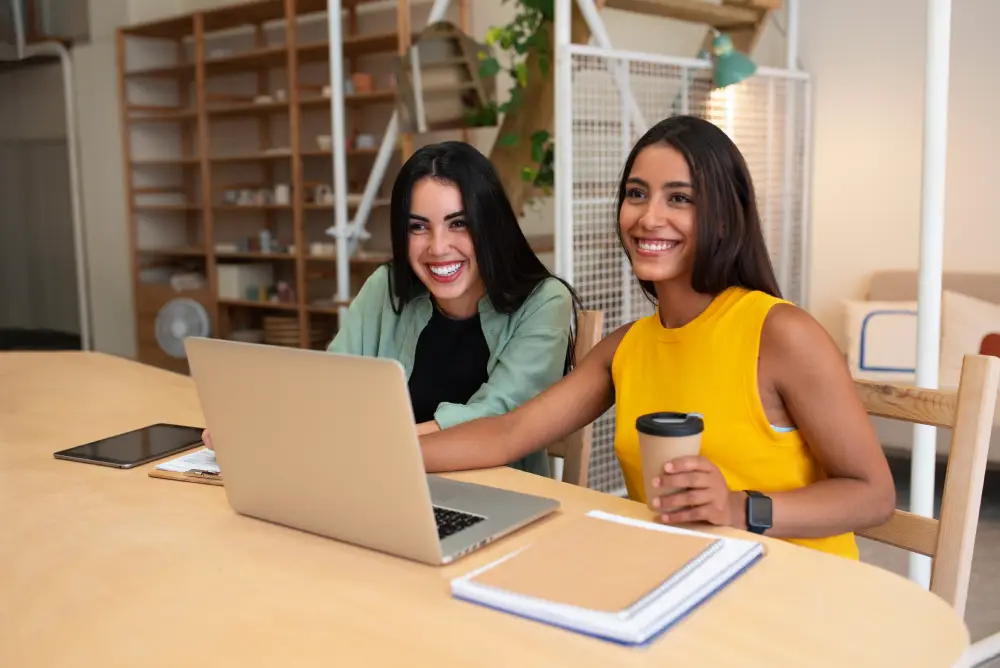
(745, 37)
(726, 16)
(536, 113)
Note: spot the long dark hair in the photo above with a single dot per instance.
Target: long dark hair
(507, 264)
(730, 248)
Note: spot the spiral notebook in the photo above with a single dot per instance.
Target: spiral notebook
(611, 577)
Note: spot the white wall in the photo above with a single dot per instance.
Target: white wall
(867, 60)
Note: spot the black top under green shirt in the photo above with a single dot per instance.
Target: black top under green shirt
(449, 364)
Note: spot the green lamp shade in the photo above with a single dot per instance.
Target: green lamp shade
(731, 66)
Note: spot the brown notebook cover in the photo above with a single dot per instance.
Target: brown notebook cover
(595, 564)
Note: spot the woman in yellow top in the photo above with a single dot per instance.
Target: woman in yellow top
(787, 449)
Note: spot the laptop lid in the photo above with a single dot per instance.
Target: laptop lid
(317, 441)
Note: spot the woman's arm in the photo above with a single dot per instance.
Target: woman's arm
(571, 404)
(800, 362)
(820, 396)
(358, 333)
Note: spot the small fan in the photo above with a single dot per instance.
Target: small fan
(177, 320)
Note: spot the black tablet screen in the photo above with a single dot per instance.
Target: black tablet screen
(137, 447)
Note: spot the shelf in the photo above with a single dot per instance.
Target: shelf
(326, 310)
(273, 56)
(353, 201)
(248, 109)
(165, 116)
(350, 152)
(164, 71)
(385, 96)
(201, 87)
(366, 258)
(252, 255)
(149, 208)
(254, 12)
(246, 303)
(177, 28)
(166, 162)
(172, 252)
(251, 157)
(251, 207)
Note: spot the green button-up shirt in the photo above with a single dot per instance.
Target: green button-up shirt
(527, 348)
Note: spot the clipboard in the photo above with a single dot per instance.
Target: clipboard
(192, 466)
(190, 476)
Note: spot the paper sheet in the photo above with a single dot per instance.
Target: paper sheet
(199, 460)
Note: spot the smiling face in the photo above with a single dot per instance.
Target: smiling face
(441, 251)
(657, 217)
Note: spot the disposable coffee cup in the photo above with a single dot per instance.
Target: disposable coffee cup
(663, 437)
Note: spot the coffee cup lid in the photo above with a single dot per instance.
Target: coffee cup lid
(670, 424)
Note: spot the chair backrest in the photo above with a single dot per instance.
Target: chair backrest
(575, 448)
(969, 413)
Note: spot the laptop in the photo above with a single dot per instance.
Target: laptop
(326, 443)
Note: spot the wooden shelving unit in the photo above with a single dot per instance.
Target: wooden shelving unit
(222, 113)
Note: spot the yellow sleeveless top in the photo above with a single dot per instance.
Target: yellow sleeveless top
(709, 366)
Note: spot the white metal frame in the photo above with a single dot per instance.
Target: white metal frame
(564, 149)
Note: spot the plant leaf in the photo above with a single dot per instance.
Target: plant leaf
(509, 139)
(521, 72)
(489, 67)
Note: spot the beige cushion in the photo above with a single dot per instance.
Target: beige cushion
(965, 321)
(882, 340)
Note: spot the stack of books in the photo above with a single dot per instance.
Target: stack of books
(612, 577)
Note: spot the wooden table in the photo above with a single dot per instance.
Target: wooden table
(108, 567)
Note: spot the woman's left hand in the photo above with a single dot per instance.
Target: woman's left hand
(703, 495)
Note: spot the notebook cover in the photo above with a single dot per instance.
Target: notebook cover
(595, 564)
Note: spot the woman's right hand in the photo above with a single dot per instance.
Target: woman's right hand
(207, 439)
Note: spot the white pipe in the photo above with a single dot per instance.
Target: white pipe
(936, 73)
(418, 89)
(788, 173)
(19, 47)
(792, 33)
(388, 147)
(685, 94)
(79, 229)
(339, 151)
(600, 35)
(805, 224)
(381, 164)
(625, 267)
(564, 145)
(769, 167)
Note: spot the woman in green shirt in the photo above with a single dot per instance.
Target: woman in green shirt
(477, 321)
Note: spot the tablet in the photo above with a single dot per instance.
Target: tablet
(136, 447)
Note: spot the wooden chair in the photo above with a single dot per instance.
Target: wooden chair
(969, 413)
(575, 448)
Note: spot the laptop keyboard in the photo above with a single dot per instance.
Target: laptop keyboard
(453, 521)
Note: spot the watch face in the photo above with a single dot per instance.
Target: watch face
(759, 512)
